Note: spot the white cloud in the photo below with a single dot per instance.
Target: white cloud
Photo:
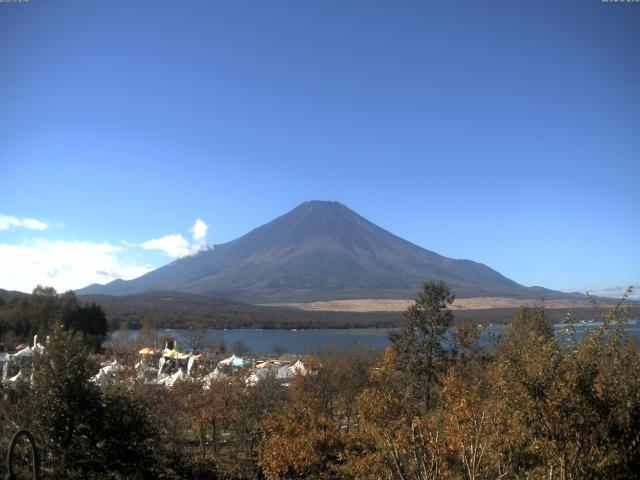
(199, 231)
(9, 221)
(614, 291)
(67, 265)
(63, 265)
(176, 246)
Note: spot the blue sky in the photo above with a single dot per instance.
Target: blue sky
(503, 132)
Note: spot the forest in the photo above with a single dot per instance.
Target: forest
(535, 406)
(21, 314)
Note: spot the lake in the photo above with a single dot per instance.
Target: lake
(314, 340)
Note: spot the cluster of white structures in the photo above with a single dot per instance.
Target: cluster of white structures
(169, 367)
(173, 368)
(9, 359)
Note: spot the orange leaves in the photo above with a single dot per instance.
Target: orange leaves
(299, 443)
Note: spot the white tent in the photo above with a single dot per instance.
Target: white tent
(113, 368)
(189, 365)
(25, 352)
(106, 375)
(259, 374)
(283, 372)
(298, 368)
(36, 346)
(216, 374)
(102, 378)
(252, 380)
(232, 360)
(144, 371)
(211, 377)
(177, 377)
(160, 365)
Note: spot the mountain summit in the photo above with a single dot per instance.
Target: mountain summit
(319, 251)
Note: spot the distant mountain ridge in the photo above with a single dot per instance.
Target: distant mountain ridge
(319, 251)
(7, 295)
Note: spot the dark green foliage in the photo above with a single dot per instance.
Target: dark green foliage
(27, 316)
(89, 320)
(419, 344)
(86, 432)
(127, 436)
(65, 406)
(39, 312)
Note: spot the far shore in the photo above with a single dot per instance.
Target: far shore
(398, 305)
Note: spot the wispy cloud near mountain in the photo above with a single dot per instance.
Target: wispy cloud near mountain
(176, 246)
(199, 232)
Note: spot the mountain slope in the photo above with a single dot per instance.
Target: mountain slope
(8, 295)
(319, 250)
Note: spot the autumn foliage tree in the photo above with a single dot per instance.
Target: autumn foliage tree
(399, 419)
(569, 408)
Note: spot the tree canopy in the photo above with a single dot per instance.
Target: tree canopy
(43, 310)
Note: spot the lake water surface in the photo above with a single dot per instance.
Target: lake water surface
(308, 341)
